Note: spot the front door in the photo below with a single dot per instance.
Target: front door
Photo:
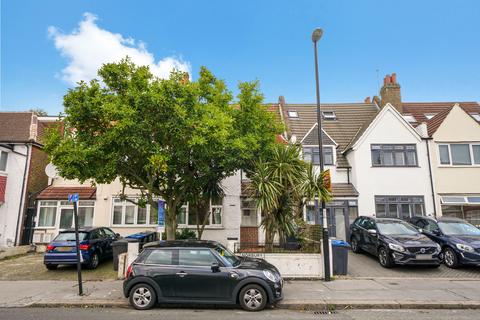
(195, 278)
(66, 218)
(340, 224)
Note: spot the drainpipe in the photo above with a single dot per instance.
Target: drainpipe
(431, 178)
(20, 207)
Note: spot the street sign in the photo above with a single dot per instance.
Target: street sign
(73, 197)
(161, 213)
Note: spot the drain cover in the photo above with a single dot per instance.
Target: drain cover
(325, 312)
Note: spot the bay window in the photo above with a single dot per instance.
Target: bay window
(49, 210)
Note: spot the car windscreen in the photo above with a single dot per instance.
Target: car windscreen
(458, 228)
(70, 236)
(227, 254)
(396, 228)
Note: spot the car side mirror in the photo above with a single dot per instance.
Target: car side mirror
(117, 235)
(436, 232)
(215, 267)
(373, 232)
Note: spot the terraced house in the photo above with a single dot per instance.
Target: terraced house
(392, 159)
(387, 158)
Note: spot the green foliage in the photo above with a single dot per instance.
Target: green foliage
(281, 183)
(168, 138)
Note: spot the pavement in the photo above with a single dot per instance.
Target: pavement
(298, 295)
(366, 266)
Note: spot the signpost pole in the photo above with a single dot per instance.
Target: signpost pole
(74, 198)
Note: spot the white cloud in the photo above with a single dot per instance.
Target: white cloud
(90, 46)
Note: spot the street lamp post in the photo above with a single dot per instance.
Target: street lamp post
(316, 35)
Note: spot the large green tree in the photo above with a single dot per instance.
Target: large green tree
(168, 138)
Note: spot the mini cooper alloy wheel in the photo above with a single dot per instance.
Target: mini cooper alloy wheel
(142, 297)
(253, 298)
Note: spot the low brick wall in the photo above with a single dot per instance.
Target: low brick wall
(297, 265)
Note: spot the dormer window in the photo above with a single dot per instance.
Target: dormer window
(409, 118)
(292, 114)
(329, 115)
(476, 116)
(429, 115)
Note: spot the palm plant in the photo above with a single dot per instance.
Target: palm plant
(275, 183)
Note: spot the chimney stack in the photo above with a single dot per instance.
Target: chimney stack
(390, 92)
(367, 100)
(281, 100)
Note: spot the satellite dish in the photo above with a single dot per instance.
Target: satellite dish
(51, 171)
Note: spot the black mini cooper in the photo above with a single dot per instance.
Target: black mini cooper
(199, 272)
(394, 242)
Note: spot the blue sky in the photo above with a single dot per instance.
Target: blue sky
(433, 46)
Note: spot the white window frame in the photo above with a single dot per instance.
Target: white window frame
(329, 115)
(210, 217)
(58, 210)
(334, 153)
(448, 144)
(292, 114)
(135, 214)
(476, 116)
(409, 118)
(47, 206)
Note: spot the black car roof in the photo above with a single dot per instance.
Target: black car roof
(382, 219)
(441, 219)
(85, 229)
(181, 243)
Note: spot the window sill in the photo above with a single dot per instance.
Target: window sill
(133, 225)
(194, 227)
(459, 166)
(395, 167)
(45, 228)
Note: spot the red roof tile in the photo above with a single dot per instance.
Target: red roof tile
(61, 193)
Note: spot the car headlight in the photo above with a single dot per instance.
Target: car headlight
(439, 248)
(270, 276)
(396, 247)
(464, 247)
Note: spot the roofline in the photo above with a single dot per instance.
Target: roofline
(387, 107)
(323, 130)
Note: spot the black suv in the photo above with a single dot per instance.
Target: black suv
(393, 241)
(200, 272)
(460, 241)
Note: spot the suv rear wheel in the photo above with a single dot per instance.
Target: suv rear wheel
(142, 297)
(253, 298)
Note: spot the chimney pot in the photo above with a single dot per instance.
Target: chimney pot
(394, 78)
(368, 100)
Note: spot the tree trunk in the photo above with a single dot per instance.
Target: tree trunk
(269, 236)
(202, 211)
(170, 220)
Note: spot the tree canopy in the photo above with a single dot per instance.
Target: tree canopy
(173, 138)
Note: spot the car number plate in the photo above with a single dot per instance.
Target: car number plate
(64, 249)
(424, 257)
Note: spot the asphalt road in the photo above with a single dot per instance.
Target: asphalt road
(208, 314)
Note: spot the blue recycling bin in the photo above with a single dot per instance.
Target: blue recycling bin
(142, 238)
(340, 256)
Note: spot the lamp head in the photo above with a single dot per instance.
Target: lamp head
(317, 34)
